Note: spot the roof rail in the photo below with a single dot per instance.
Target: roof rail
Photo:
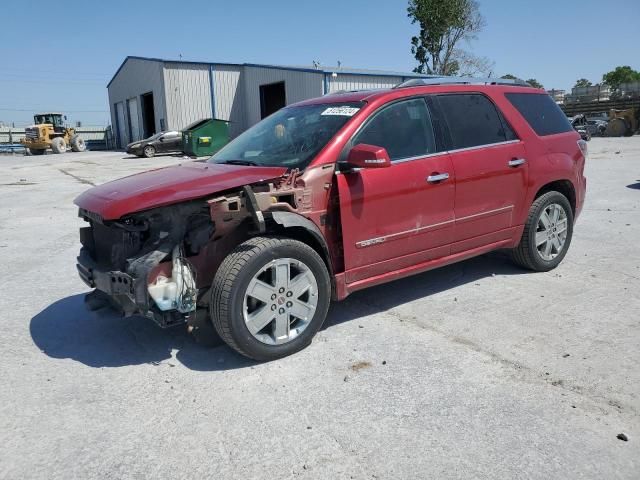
(421, 82)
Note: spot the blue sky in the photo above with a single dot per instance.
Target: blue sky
(64, 61)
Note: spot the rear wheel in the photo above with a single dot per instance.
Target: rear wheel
(36, 151)
(149, 151)
(547, 233)
(77, 144)
(58, 145)
(270, 296)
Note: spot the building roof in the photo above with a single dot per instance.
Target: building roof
(309, 69)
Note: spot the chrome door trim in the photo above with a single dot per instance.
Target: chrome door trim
(475, 147)
(399, 235)
(419, 157)
(486, 213)
(435, 226)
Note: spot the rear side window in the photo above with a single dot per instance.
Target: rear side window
(473, 120)
(404, 129)
(541, 112)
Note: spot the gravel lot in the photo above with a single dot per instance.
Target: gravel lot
(477, 370)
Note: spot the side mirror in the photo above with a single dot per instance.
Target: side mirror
(161, 139)
(368, 156)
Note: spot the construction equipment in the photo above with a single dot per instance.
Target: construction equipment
(49, 131)
(622, 123)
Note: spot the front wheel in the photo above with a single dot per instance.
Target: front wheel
(547, 233)
(58, 145)
(149, 151)
(270, 297)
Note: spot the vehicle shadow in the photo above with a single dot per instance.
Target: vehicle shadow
(634, 186)
(67, 329)
(390, 295)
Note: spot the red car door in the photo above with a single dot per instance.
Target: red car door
(491, 170)
(396, 217)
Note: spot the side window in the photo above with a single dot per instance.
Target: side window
(473, 120)
(541, 112)
(403, 128)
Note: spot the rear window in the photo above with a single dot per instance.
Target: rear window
(541, 112)
(473, 120)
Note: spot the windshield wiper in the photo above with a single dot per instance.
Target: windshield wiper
(241, 162)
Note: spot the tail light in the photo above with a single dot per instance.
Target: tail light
(583, 147)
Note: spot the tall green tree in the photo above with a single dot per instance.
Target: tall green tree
(508, 76)
(443, 25)
(623, 74)
(534, 83)
(582, 82)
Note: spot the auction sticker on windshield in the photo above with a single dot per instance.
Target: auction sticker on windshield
(343, 111)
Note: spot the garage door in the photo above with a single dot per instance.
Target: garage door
(122, 131)
(133, 119)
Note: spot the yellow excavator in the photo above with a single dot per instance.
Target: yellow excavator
(48, 131)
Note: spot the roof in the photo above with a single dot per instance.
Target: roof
(445, 85)
(320, 69)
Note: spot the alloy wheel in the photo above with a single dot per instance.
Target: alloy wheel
(551, 232)
(280, 301)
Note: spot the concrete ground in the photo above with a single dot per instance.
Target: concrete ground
(477, 370)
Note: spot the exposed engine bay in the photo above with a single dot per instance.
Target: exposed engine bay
(160, 263)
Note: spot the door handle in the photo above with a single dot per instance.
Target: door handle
(437, 177)
(516, 162)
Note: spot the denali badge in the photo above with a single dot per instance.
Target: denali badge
(368, 243)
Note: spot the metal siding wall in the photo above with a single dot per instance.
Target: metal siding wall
(360, 82)
(298, 86)
(229, 97)
(135, 78)
(188, 93)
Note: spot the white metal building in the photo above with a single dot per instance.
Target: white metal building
(149, 95)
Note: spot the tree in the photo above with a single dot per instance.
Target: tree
(624, 74)
(534, 83)
(508, 76)
(472, 66)
(443, 24)
(582, 82)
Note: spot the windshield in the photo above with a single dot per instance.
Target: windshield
(290, 138)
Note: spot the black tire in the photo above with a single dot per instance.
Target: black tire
(526, 254)
(77, 144)
(149, 151)
(58, 145)
(36, 151)
(233, 278)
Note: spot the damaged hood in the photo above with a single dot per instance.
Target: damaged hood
(169, 185)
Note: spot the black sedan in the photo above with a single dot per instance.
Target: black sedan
(163, 142)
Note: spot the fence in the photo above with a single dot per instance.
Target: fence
(96, 138)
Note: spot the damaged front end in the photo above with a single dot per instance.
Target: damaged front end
(160, 262)
(140, 262)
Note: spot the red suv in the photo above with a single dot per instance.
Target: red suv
(332, 195)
